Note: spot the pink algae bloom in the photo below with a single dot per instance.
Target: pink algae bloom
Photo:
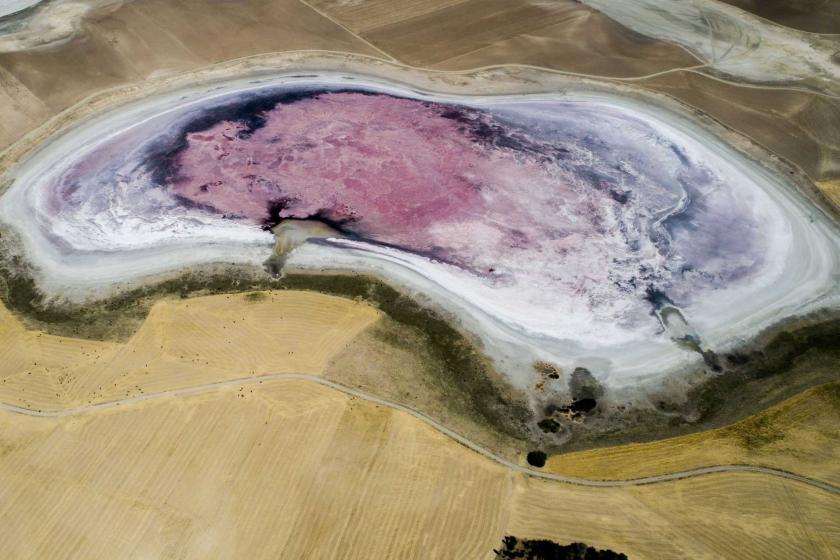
(388, 166)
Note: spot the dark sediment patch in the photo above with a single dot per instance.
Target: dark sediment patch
(485, 129)
(583, 405)
(549, 425)
(323, 216)
(584, 386)
(657, 298)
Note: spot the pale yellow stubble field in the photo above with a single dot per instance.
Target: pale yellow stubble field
(182, 343)
(798, 435)
(191, 342)
(291, 469)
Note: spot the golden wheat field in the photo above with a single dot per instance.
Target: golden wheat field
(799, 434)
(290, 469)
(182, 343)
(831, 189)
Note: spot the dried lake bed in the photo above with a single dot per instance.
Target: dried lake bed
(581, 229)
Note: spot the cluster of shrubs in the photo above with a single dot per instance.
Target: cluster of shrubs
(550, 550)
(537, 459)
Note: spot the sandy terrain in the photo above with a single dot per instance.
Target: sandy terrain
(181, 344)
(296, 470)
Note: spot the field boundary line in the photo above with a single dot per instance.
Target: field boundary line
(598, 483)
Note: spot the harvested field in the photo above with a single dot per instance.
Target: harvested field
(182, 343)
(292, 469)
(584, 42)
(366, 15)
(399, 363)
(562, 35)
(816, 16)
(801, 127)
(22, 109)
(831, 190)
(797, 435)
(712, 517)
(148, 38)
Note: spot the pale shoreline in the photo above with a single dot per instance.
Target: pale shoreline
(503, 340)
(11, 7)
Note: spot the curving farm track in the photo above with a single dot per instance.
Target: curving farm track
(676, 475)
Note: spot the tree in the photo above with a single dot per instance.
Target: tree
(543, 549)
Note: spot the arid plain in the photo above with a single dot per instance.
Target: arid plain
(266, 423)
